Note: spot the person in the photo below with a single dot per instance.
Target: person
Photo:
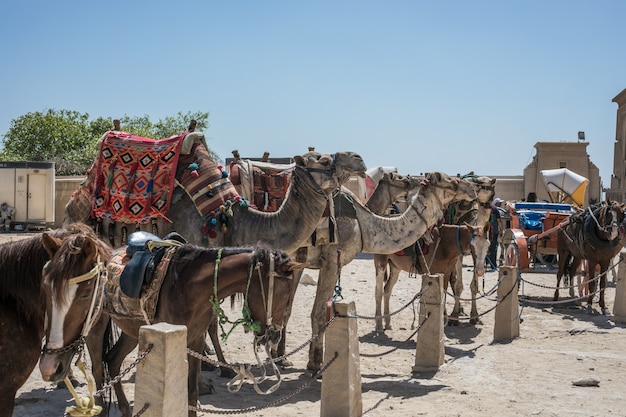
(494, 233)
(503, 223)
(6, 215)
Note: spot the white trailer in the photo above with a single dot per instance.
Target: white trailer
(29, 187)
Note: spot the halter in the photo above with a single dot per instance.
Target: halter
(458, 241)
(606, 229)
(97, 271)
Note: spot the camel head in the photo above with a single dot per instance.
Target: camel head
(330, 171)
(449, 189)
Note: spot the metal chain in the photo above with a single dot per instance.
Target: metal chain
(207, 359)
(597, 277)
(415, 297)
(143, 410)
(274, 403)
(123, 373)
(408, 339)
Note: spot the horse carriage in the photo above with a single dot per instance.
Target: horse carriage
(531, 241)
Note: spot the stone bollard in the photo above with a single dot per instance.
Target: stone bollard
(429, 350)
(341, 382)
(506, 325)
(619, 306)
(161, 378)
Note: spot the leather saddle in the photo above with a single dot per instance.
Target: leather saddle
(143, 261)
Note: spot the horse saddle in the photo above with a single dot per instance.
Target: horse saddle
(143, 261)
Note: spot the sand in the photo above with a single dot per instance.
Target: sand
(536, 374)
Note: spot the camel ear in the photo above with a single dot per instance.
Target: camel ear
(299, 160)
(51, 244)
(296, 266)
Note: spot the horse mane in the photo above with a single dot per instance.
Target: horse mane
(61, 270)
(21, 263)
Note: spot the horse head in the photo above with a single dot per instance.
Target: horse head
(273, 284)
(608, 219)
(71, 283)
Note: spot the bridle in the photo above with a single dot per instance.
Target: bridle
(98, 271)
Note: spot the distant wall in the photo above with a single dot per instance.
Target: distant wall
(64, 187)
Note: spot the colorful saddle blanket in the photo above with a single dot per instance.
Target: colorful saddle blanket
(143, 307)
(135, 177)
(206, 183)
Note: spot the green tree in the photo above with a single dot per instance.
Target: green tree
(68, 138)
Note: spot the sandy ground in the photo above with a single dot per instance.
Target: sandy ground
(529, 376)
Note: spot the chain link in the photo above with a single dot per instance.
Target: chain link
(123, 373)
(274, 403)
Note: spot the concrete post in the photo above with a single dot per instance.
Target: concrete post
(341, 382)
(619, 306)
(161, 378)
(429, 350)
(506, 325)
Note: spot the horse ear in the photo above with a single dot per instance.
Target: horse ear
(90, 248)
(50, 243)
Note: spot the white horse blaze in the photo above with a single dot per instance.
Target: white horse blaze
(55, 341)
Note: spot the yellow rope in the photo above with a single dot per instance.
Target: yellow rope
(85, 406)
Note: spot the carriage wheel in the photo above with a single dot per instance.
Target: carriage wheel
(517, 250)
(511, 256)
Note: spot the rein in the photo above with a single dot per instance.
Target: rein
(247, 321)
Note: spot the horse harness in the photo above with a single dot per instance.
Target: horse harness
(98, 271)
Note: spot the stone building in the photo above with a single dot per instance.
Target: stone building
(552, 155)
(618, 178)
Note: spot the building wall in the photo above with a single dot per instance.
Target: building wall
(617, 191)
(554, 155)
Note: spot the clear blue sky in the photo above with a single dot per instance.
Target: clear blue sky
(448, 86)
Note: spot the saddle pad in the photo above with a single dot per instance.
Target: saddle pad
(264, 184)
(135, 177)
(209, 188)
(122, 306)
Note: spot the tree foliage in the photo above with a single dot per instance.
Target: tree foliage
(68, 138)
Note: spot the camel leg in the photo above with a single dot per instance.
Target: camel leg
(325, 286)
(380, 265)
(394, 273)
(300, 256)
(281, 349)
(474, 317)
(456, 283)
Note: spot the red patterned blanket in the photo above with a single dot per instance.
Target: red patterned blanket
(135, 177)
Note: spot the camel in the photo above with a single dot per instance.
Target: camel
(359, 230)
(475, 213)
(450, 244)
(314, 178)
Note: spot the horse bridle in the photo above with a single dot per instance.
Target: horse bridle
(98, 271)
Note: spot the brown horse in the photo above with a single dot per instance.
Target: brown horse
(23, 304)
(450, 244)
(194, 277)
(597, 235)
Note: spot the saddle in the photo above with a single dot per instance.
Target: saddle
(145, 251)
(265, 184)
